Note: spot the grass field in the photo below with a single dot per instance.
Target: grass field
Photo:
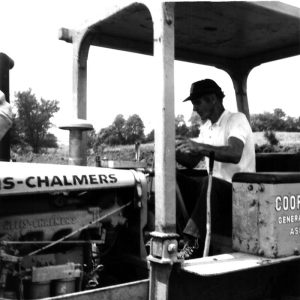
(285, 138)
(60, 155)
(290, 141)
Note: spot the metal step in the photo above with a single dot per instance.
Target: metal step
(229, 263)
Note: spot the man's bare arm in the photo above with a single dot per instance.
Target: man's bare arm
(230, 153)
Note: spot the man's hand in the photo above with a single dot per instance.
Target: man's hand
(188, 146)
(187, 152)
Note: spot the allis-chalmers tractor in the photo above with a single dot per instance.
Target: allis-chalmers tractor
(66, 229)
(81, 232)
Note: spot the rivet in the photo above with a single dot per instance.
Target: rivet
(261, 252)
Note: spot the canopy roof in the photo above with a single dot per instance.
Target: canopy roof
(212, 33)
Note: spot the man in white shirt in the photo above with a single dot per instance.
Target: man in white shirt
(230, 137)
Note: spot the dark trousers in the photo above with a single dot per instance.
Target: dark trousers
(194, 191)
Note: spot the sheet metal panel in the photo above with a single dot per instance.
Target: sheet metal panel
(266, 215)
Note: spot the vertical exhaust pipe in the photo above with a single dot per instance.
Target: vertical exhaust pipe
(6, 63)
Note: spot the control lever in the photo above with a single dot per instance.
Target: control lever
(208, 204)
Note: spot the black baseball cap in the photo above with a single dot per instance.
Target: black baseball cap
(203, 87)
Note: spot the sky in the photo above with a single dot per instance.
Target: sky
(118, 82)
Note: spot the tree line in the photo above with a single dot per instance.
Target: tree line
(31, 124)
(130, 131)
(274, 121)
(122, 131)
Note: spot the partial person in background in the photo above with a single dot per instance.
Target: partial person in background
(229, 136)
(5, 115)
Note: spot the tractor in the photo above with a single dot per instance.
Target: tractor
(78, 231)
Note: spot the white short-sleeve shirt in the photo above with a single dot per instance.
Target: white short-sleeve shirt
(217, 134)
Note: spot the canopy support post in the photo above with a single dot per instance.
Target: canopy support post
(163, 250)
(239, 75)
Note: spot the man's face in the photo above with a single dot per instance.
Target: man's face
(204, 106)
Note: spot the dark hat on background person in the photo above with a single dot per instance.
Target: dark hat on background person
(204, 87)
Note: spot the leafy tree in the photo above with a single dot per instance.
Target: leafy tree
(292, 124)
(16, 134)
(92, 139)
(106, 136)
(134, 129)
(195, 121)
(261, 122)
(181, 129)
(114, 134)
(33, 119)
(150, 137)
(50, 141)
(118, 128)
(279, 113)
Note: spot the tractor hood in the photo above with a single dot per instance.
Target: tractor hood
(21, 178)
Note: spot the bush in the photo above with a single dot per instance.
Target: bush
(266, 148)
(271, 137)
